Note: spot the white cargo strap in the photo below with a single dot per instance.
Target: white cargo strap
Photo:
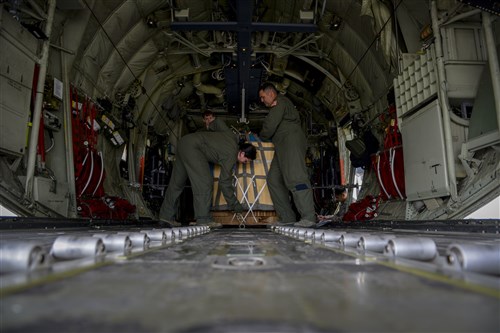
(244, 199)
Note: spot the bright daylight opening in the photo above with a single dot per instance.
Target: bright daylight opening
(488, 211)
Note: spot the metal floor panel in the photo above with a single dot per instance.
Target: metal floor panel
(251, 280)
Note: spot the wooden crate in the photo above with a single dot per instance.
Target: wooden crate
(258, 169)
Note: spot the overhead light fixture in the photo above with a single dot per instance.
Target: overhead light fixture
(151, 21)
(335, 23)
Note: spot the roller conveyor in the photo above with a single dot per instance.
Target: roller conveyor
(253, 280)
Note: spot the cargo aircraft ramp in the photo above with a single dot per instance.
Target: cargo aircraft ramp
(191, 279)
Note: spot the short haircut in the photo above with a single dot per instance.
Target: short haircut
(249, 150)
(339, 190)
(207, 113)
(266, 86)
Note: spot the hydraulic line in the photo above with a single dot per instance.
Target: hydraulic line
(100, 175)
(91, 172)
(392, 156)
(380, 177)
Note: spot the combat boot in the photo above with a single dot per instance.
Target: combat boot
(209, 223)
(305, 224)
(170, 224)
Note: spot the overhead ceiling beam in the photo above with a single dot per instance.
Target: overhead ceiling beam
(244, 28)
(235, 26)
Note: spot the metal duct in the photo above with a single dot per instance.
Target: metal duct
(207, 89)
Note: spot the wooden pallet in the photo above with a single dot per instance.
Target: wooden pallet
(262, 217)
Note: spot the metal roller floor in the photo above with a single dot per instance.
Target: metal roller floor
(246, 280)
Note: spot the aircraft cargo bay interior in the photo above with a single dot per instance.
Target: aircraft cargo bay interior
(249, 165)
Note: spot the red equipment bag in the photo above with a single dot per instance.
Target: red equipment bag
(388, 163)
(365, 209)
(89, 165)
(114, 208)
(389, 168)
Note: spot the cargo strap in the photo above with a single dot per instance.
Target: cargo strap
(261, 149)
(244, 195)
(241, 220)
